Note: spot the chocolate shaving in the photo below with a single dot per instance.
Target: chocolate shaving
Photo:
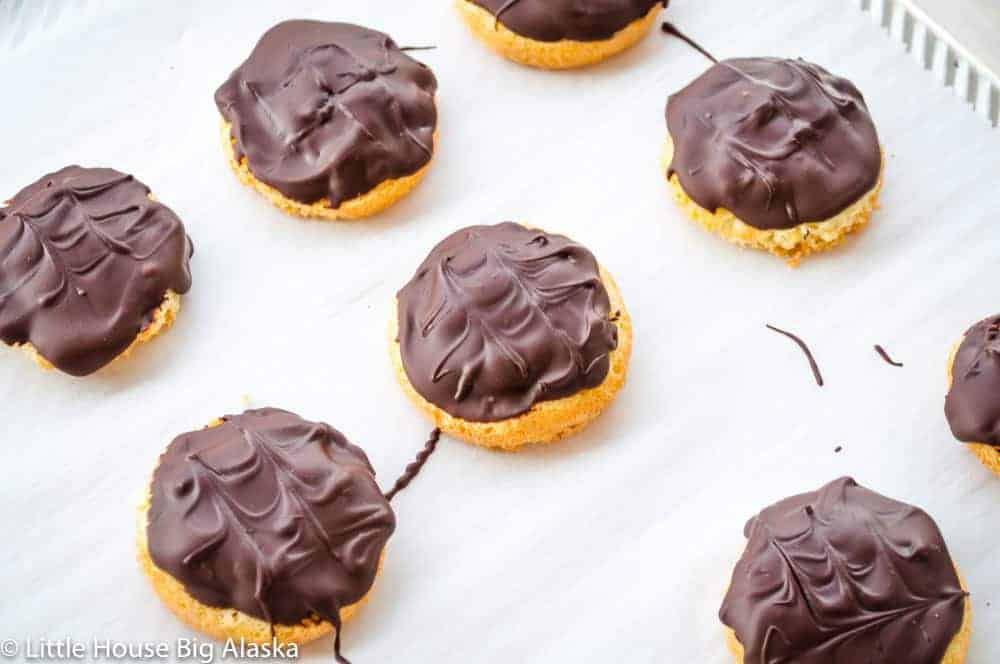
(885, 356)
(413, 469)
(805, 349)
(671, 29)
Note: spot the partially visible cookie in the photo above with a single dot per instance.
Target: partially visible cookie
(329, 120)
(264, 525)
(559, 34)
(508, 335)
(774, 154)
(972, 406)
(90, 266)
(844, 574)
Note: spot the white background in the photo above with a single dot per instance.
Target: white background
(613, 546)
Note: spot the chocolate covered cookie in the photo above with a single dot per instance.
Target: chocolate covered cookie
(90, 266)
(972, 406)
(508, 335)
(329, 120)
(774, 154)
(264, 525)
(844, 574)
(559, 34)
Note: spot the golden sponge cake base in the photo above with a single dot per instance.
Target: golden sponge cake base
(547, 421)
(792, 244)
(384, 195)
(163, 318)
(563, 54)
(225, 623)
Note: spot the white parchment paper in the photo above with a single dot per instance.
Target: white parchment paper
(613, 546)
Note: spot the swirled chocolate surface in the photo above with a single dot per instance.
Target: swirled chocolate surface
(776, 142)
(579, 20)
(269, 514)
(329, 111)
(973, 402)
(844, 575)
(498, 318)
(86, 256)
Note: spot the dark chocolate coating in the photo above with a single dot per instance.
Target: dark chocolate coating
(578, 20)
(498, 318)
(844, 575)
(776, 142)
(85, 258)
(329, 111)
(269, 514)
(973, 402)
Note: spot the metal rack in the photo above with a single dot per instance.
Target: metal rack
(930, 44)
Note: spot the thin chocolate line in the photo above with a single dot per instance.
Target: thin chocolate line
(417, 48)
(805, 349)
(413, 469)
(671, 29)
(885, 356)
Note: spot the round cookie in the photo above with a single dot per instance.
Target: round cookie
(773, 154)
(844, 574)
(264, 525)
(559, 34)
(329, 120)
(508, 335)
(972, 406)
(91, 266)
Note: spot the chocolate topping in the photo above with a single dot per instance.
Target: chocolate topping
(498, 318)
(973, 402)
(844, 575)
(269, 514)
(579, 20)
(413, 469)
(813, 366)
(776, 142)
(329, 111)
(86, 256)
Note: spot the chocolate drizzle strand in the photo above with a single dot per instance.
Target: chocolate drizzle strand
(813, 366)
(973, 402)
(776, 142)
(413, 469)
(328, 111)
(86, 257)
(844, 574)
(671, 29)
(578, 20)
(498, 318)
(269, 514)
(884, 354)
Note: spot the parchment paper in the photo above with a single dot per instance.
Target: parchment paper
(616, 545)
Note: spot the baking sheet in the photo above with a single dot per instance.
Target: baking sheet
(613, 546)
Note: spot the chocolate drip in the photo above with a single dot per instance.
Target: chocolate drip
(413, 469)
(776, 142)
(671, 29)
(885, 356)
(844, 574)
(328, 111)
(498, 318)
(86, 257)
(578, 20)
(805, 349)
(271, 515)
(973, 402)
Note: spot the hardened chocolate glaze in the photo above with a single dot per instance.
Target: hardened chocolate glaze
(776, 142)
(499, 318)
(329, 111)
(844, 575)
(578, 20)
(86, 256)
(269, 514)
(973, 402)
